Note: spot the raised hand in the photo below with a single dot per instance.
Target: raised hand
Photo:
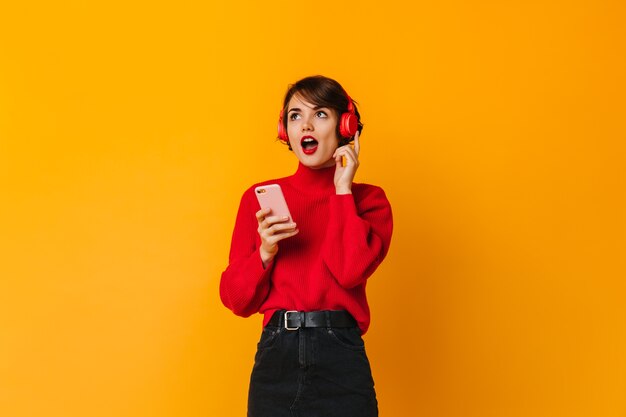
(344, 175)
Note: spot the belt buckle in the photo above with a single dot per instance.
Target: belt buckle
(286, 318)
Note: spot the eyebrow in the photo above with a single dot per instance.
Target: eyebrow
(314, 108)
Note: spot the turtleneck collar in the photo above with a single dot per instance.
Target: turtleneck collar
(313, 180)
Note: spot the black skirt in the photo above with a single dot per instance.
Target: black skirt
(311, 372)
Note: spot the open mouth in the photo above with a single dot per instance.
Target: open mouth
(309, 144)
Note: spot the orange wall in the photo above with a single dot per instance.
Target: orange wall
(129, 132)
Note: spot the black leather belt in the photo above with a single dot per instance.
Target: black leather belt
(293, 320)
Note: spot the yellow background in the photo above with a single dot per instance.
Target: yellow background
(129, 131)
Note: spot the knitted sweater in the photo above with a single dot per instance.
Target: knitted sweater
(341, 241)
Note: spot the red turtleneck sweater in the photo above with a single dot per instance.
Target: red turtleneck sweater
(342, 240)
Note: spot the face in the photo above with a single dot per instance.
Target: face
(312, 132)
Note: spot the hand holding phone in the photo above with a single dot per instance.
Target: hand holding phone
(275, 222)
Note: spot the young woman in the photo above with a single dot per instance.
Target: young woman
(308, 276)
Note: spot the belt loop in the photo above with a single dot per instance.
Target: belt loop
(327, 314)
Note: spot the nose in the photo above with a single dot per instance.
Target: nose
(307, 125)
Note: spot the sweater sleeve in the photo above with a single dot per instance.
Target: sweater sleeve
(245, 283)
(358, 235)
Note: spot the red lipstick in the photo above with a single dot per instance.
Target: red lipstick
(308, 144)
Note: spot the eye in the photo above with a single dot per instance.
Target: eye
(293, 116)
(321, 114)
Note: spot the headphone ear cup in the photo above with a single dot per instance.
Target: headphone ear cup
(282, 132)
(348, 125)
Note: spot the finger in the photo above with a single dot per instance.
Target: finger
(338, 161)
(357, 144)
(280, 228)
(271, 220)
(340, 149)
(350, 159)
(269, 235)
(352, 152)
(349, 152)
(340, 157)
(277, 219)
(278, 237)
(260, 215)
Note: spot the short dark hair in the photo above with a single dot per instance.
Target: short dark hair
(324, 92)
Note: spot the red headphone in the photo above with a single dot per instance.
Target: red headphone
(348, 123)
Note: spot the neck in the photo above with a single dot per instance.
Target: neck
(309, 179)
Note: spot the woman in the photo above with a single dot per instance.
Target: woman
(308, 278)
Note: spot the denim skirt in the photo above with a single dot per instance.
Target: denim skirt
(311, 372)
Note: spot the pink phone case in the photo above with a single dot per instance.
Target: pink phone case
(271, 196)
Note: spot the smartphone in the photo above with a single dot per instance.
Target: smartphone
(271, 196)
